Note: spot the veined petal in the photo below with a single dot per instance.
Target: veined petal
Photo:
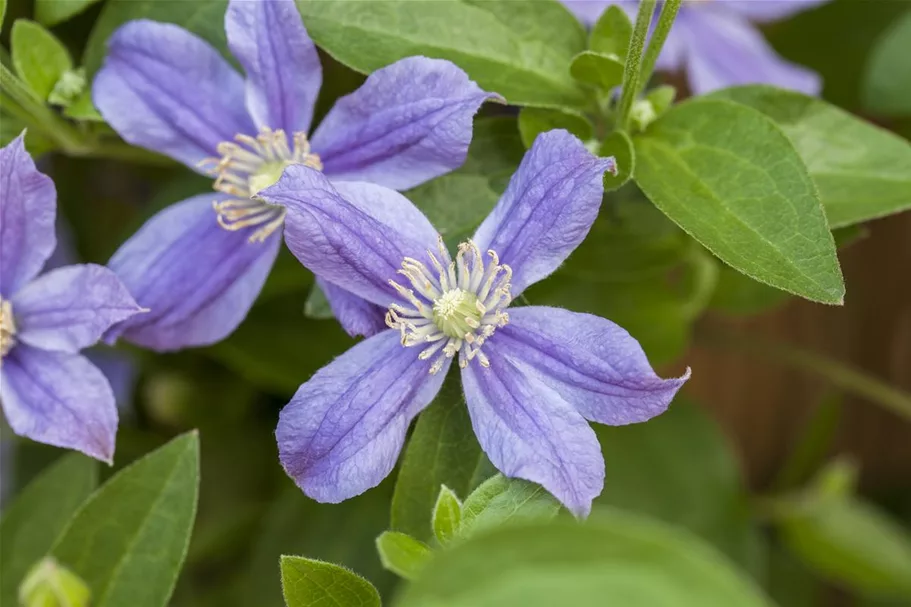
(597, 366)
(410, 122)
(724, 49)
(357, 316)
(765, 10)
(528, 430)
(60, 399)
(28, 207)
(354, 235)
(197, 279)
(343, 430)
(548, 208)
(70, 308)
(167, 90)
(283, 70)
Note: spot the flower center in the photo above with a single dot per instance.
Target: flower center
(7, 327)
(455, 307)
(248, 165)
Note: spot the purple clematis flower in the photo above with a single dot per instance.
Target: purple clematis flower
(200, 264)
(532, 375)
(50, 392)
(716, 44)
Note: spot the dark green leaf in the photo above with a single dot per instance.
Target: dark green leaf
(500, 501)
(534, 121)
(442, 451)
(708, 164)
(611, 33)
(614, 555)
(455, 204)
(312, 583)
(317, 306)
(447, 515)
(703, 491)
(52, 12)
(481, 38)
(204, 18)
(887, 87)
(861, 171)
(620, 146)
(597, 69)
(130, 538)
(402, 554)
(33, 522)
(39, 58)
(495, 152)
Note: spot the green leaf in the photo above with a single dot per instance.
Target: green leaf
(599, 70)
(339, 533)
(33, 522)
(38, 57)
(82, 108)
(495, 152)
(887, 85)
(50, 585)
(402, 554)
(447, 515)
(51, 12)
(130, 538)
(442, 451)
(517, 49)
(455, 204)
(500, 501)
(205, 18)
(311, 583)
(729, 176)
(534, 121)
(661, 98)
(702, 492)
(317, 306)
(2, 12)
(620, 146)
(614, 557)
(850, 541)
(861, 171)
(611, 33)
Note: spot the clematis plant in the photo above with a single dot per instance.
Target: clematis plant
(532, 375)
(50, 392)
(200, 264)
(716, 44)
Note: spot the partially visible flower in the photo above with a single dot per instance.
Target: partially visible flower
(716, 44)
(532, 375)
(50, 392)
(200, 264)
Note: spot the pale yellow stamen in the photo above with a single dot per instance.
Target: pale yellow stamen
(7, 327)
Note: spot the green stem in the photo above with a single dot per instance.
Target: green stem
(656, 43)
(634, 62)
(836, 373)
(43, 118)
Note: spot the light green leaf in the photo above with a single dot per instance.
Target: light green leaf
(402, 554)
(83, 108)
(596, 69)
(534, 121)
(205, 18)
(615, 557)
(312, 583)
(38, 57)
(730, 177)
(500, 501)
(702, 492)
(482, 38)
(51, 12)
(850, 541)
(130, 538)
(661, 98)
(32, 523)
(317, 306)
(48, 584)
(447, 515)
(611, 33)
(620, 146)
(442, 451)
(887, 82)
(861, 171)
